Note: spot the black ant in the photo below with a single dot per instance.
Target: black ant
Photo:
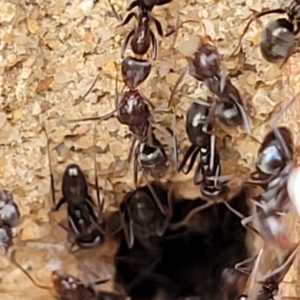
(277, 39)
(205, 66)
(84, 226)
(145, 213)
(263, 282)
(274, 168)
(204, 145)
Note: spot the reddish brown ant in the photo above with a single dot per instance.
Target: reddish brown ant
(69, 287)
(277, 40)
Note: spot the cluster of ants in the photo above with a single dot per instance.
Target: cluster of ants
(188, 248)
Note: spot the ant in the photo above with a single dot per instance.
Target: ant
(9, 218)
(152, 158)
(145, 213)
(226, 104)
(84, 228)
(141, 36)
(277, 39)
(135, 110)
(147, 4)
(263, 282)
(274, 168)
(204, 145)
(69, 287)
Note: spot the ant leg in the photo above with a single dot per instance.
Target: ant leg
(131, 150)
(241, 216)
(155, 197)
(187, 155)
(128, 230)
(245, 118)
(254, 18)
(282, 269)
(100, 204)
(81, 98)
(132, 5)
(276, 130)
(212, 152)
(125, 43)
(199, 101)
(249, 219)
(163, 2)
(154, 45)
(187, 218)
(238, 266)
(183, 73)
(135, 163)
(198, 176)
(50, 166)
(59, 204)
(127, 19)
(175, 141)
(209, 117)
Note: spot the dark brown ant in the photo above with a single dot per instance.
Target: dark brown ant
(152, 158)
(277, 39)
(141, 36)
(145, 213)
(205, 66)
(84, 226)
(133, 108)
(69, 287)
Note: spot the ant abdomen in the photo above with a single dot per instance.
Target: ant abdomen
(135, 71)
(277, 40)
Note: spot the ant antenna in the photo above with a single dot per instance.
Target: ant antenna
(14, 261)
(50, 166)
